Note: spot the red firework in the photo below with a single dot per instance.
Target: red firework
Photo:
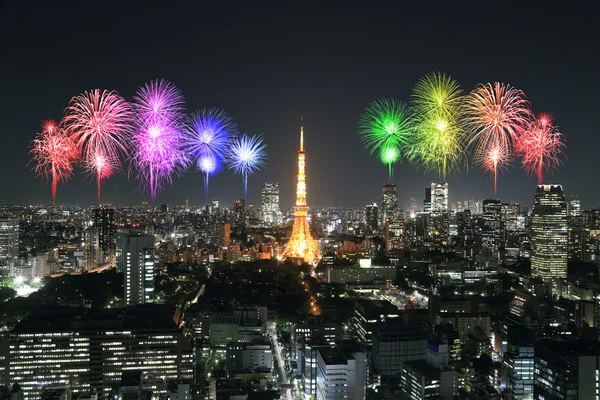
(54, 153)
(540, 146)
(496, 115)
(98, 122)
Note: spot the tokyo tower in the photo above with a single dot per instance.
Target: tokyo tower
(301, 245)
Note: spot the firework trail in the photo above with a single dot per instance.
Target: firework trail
(98, 122)
(496, 115)
(439, 141)
(386, 127)
(54, 153)
(158, 134)
(207, 138)
(246, 155)
(540, 146)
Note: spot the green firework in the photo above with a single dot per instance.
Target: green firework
(386, 127)
(439, 142)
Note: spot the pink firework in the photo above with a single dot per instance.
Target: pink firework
(496, 116)
(54, 153)
(540, 146)
(98, 121)
(158, 134)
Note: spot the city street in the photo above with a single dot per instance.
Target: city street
(279, 355)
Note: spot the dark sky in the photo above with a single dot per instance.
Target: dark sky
(270, 64)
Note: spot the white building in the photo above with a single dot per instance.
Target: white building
(269, 203)
(341, 372)
(139, 269)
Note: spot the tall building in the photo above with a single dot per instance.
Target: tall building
(269, 202)
(492, 215)
(549, 233)
(567, 369)
(427, 201)
(371, 219)
(9, 242)
(389, 202)
(439, 197)
(104, 222)
(138, 273)
(91, 248)
(301, 244)
(239, 216)
(91, 351)
(341, 372)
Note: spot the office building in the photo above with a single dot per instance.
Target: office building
(138, 271)
(490, 234)
(421, 380)
(567, 369)
(269, 203)
(91, 248)
(368, 314)
(439, 197)
(371, 219)
(239, 216)
(342, 372)
(9, 242)
(549, 237)
(427, 201)
(394, 344)
(104, 222)
(395, 234)
(389, 202)
(92, 350)
(249, 356)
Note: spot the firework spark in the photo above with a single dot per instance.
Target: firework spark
(246, 155)
(540, 146)
(207, 137)
(496, 115)
(54, 153)
(158, 134)
(98, 122)
(439, 141)
(386, 127)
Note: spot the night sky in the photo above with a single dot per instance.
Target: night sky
(270, 65)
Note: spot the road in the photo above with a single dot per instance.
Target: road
(280, 359)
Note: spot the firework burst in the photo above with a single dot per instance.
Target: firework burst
(386, 127)
(496, 115)
(246, 155)
(207, 137)
(540, 146)
(98, 122)
(54, 153)
(158, 134)
(439, 141)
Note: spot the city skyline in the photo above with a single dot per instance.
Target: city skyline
(314, 85)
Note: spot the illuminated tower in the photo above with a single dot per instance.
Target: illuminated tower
(301, 244)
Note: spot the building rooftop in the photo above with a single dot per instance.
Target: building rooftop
(376, 308)
(422, 367)
(68, 319)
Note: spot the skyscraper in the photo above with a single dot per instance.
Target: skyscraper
(371, 219)
(104, 222)
(269, 202)
(91, 248)
(301, 244)
(549, 233)
(239, 215)
(389, 202)
(492, 214)
(439, 197)
(139, 269)
(427, 201)
(9, 242)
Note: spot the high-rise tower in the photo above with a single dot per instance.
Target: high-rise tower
(301, 244)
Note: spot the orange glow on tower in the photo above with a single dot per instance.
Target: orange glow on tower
(301, 244)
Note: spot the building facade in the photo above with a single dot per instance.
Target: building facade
(269, 203)
(138, 273)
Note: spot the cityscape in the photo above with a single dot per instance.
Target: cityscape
(453, 253)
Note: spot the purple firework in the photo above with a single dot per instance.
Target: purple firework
(158, 134)
(207, 137)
